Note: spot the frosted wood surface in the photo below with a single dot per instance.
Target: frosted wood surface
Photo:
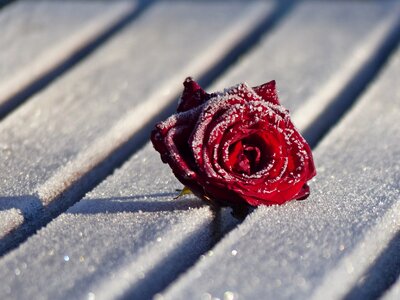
(318, 248)
(61, 133)
(86, 246)
(9, 220)
(36, 36)
(315, 52)
(116, 237)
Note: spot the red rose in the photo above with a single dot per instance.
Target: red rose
(235, 147)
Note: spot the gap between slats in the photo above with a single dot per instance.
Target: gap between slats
(5, 2)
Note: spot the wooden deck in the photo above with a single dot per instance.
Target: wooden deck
(86, 206)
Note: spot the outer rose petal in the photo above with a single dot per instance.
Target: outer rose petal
(193, 95)
(169, 138)
(303, 193)
(236, 147)
(268, 92)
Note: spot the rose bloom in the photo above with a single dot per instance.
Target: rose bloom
(235, 147)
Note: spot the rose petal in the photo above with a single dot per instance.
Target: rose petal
(193, 96)
(303, 193)
(170, 138)
(268, 92)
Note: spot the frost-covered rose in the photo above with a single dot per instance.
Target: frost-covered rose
(235, 147)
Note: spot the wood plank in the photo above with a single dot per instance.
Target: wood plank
(68, 137)
(319, 248)
(38, 37)
(128, 237)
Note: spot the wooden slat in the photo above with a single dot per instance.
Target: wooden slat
(74, 132)
(128, 236)
(37, 37)
(319, 248)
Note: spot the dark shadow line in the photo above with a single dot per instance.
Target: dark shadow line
(380, 276)
(132, 205)
(166, 271)
(171, 267)
(191, 247)
(69, 62)
(352, 91)
(28, 206)
(5, 2)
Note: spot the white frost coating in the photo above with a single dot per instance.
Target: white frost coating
(64, 43)
(9, 220)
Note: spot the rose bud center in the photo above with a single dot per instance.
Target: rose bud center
(249, 155)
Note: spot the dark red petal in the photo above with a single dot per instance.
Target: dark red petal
(268, 92)
(303, 193)
(193, 95)
(169, 138)
(200, 138)
(235, 151)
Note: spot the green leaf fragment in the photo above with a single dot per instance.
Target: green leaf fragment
(183, 192)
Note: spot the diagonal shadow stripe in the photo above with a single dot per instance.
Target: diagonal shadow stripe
(137, 203)
(5, 2)
(382, 274)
